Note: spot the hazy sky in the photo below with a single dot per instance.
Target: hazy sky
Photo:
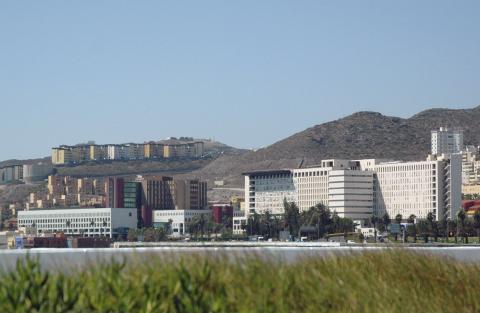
(246, 73)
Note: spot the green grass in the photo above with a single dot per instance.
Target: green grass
(391, 281)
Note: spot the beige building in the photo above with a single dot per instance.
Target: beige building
(154, 150)
(61, 156)
(471, 189)
(184, 150)
(98, 152)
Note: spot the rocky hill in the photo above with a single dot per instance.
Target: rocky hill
(360, 135)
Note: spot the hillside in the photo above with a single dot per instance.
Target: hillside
(46, 160)
(360, 135)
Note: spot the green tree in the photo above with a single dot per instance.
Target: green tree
(461, 216)
(132, 235)
(386, 220)
(318, 216)
(476, 223)
(424, 230)
(374, 221)
(398, 220)
(291, 217)
(432, 225)
(411, 220)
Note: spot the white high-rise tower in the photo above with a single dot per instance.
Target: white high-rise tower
(447, 141)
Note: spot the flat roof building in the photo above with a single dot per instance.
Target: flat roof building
(359, 188)
(446, 141)
(85, 222)
(179, 220)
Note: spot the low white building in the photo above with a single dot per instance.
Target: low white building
(88, 222)
(239, 222)
(179, 219)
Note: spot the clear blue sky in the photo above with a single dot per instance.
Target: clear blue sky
(247, 73)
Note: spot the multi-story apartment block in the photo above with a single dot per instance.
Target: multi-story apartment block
(11, 173)
(134, 151)
(359, 188)
(117, 152)
(65, 155)
(153, 150)
(98, 152)
(184, 150)
(36, 172)
(447, 141)
(470, 166)
(81, 153)
(61, 156)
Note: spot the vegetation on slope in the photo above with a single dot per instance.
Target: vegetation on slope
(393, 281)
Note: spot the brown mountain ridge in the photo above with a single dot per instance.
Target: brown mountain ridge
(360, 135)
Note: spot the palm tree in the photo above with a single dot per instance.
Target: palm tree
(386, 220)
(461, 216)
(411, 220)
(431, 221)
(398, 220)
(476, 223)
(373, 220)
(292, 217)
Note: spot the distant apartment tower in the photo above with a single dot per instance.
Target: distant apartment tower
(36, 172)
(153, 150)
(11, 173)
(184, 150)
(447, 141)
(61, 156)
(98, 152)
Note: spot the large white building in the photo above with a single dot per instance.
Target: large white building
(359, 188)
(418, 188)
(88, 222)
(179, 219)
(447, 141)
(341, 181)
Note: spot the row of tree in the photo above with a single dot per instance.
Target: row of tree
(317, 222)
(461, 227)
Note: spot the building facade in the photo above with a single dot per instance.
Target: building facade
(89, 222)
(447, 141)
(419, 188)
(9, 174)
(179, 220)
(359, 188)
